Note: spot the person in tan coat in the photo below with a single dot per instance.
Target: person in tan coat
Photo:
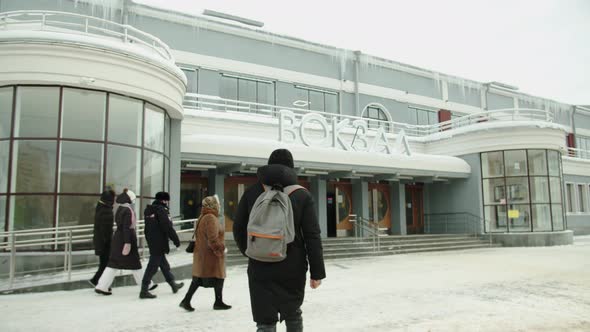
(208, 255)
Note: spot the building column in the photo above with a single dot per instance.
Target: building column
(215, 185)
(318, 192)
(398, 207)
(360, 199)
(174, 175)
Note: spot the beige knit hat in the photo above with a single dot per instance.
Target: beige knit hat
(210, 202)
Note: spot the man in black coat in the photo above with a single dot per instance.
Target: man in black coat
(158, 229)
(279, 288)
(103, 231)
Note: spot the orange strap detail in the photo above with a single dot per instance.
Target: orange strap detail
(265, 236)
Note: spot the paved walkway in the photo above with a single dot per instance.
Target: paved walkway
(498, 289)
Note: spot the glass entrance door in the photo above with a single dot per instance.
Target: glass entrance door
(379, 204)
(415, 208)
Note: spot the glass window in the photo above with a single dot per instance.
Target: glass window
(316, 100)
(432, 118)
(247, 90)
(553, 163)
(557, 214)
(154, 128)
(33, 166)
(422, 117)
(153, 173)
(5, 111)
(266, 93)
(36, 112)
(331, 101)
(302, 95)
(167, 135)
(582, 198)
(569, 191)
(541, 217)
(123, 168)
(555, 184)
(537, 162)
(517, 190)
(192, 80)
(493, 164)
(520, 218)
(494, 191)
(31, 211)
(229, 88)
(516, 164)
(125, 118)
(376, 113)
(83, 114)
(539, 189)
(80, 167)
(4, 154)
(496, 218)
(166, 174)
(2, 215)
(76, 210)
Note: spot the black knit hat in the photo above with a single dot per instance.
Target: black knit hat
(162, 196)
(108, 196)
(282, 157)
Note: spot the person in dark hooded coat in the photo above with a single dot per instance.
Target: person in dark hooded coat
(279, 288)
(158, 230)
(124, 252)
(103, 231)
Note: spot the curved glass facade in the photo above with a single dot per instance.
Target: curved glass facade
(60, 146)
(522, 191)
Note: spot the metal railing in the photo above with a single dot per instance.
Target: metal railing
(578, 153)
(36, 240)
(365, 228)
(84, 25)
(455, 223)
(199, 102)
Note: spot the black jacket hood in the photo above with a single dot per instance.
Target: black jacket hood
(277, 174)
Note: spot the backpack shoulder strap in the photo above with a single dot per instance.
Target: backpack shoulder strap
(292, 188)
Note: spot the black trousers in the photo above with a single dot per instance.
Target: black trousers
(274, 300)
(155, 262)
(103, 260)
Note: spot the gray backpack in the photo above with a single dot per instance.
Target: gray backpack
(271, 226)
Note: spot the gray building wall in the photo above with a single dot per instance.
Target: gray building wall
(582, 120)
(399, 80)
(464, 95)
(459, 196)
(578, 222)
(496, 101)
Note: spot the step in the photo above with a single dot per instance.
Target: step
(404, 247)
(383, 242)
(406, 251)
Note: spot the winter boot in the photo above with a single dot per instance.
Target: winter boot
(146, 295)
(295, 325)
(175, 287)
(219, 305)
(99, 291)
(186, 305)
(266, 327)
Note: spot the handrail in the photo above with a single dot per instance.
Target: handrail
(55, 237)
(200, 102)
(89, 24)
(578, 153)
(457, 224)
(362, 225)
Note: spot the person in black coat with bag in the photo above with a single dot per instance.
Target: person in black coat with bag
(103, 231)
(158, 230)
(124, 252)
(279, 288)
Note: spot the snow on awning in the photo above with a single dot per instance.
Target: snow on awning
(245, 147)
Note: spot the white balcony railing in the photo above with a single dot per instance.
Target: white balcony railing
(213, 103)
(40, 20)
(578, 153)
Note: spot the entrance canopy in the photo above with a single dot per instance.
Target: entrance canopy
(211, 151)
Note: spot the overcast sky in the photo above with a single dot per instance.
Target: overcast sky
(540, 46)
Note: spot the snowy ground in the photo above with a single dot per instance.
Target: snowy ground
(499, 289)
